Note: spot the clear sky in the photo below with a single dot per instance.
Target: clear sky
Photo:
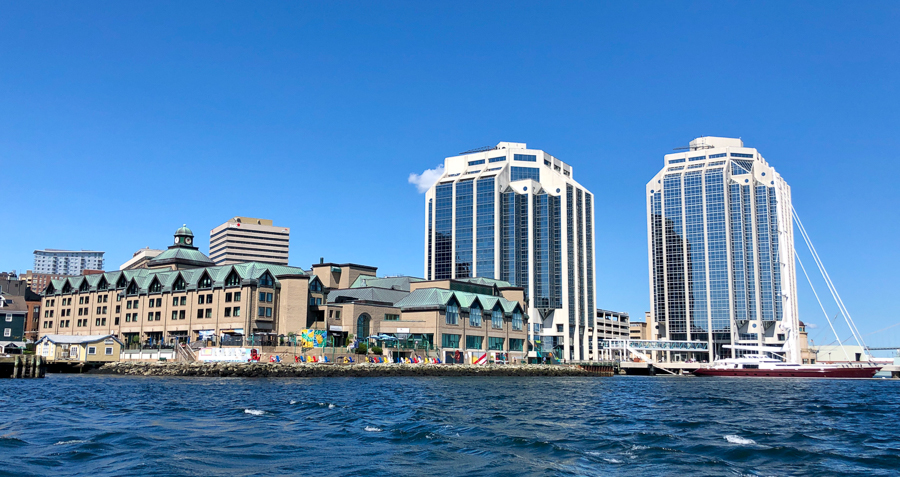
(120, 121)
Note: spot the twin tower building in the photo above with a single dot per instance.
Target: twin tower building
(720, 244)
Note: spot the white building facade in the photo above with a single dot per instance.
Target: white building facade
(720, 243)
(516, 214)
(66, 262)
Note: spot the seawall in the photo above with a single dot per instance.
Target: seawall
(272, 370)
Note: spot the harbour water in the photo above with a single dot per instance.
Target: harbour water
(119, 425)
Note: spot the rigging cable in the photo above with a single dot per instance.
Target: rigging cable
(834, 293)
(820, 305)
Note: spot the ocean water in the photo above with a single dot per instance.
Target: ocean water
(118, 425)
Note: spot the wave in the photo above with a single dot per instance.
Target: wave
(254, 412)
(373, 429)
(65, 443)
(739, 440)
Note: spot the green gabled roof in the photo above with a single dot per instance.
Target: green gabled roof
(368, 294)
(486, 281)
(436, 297)
(144, 276)
(425, 297)
(397, 283)
(182, 253)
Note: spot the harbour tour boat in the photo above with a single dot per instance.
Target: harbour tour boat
(757, 365)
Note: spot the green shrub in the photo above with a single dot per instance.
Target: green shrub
(362, 349)
(376, 350)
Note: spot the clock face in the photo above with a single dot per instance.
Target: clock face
(188, 240)
(176, 239)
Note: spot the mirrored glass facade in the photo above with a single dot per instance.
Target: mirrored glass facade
(716, 247)
(536, 235)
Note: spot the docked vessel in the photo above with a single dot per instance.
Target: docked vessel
(756, 365)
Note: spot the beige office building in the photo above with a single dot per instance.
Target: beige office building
(245, 239)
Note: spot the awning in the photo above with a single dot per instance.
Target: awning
(207, 333)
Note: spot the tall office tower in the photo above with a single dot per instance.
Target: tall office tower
(720, 243)
(515, 214)
(245, 239)
(66, 262)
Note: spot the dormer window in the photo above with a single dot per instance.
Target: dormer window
(84, 286)
(132, 288)
(102, 284)
(205, 282)
(266, 280)
(315, 285)
(179, 284)
(67, 288)
(121, 283)
(155, 286)
(233, 279)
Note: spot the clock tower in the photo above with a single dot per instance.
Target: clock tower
(184, 237)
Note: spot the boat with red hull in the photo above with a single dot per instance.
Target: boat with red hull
(766, 367)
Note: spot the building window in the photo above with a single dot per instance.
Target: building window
(516, 344)
(199, 313)
(474, 342)
(236, 311)
(205, 282)
(266, 280)
(337, 314)
(181, 314)
(150, 316)
(269, 298)
(7, 332)
(390, 317)
(362, 326)
(237, 296)
(517, 321)
(450, 341)
(233, 279)
(497, 319)
(474, 316)
(227, 312)
(525, 157)
(452, 314)
(261, 311)
(200, 300)
(262, 297)
(209, 312)
(495, 344)
(108, 351)
(179, 284)
(228, 297)
(476, 163)
(155, 287)
(209, 298)
(92, 350)
(174, 315)
(174, 301)
(268, 312)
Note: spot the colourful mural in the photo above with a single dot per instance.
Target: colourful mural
(312, 338)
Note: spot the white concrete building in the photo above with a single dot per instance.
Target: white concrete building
(246, 239)
(139, 258)
(516, 214)
(720, 243)
(66, 262)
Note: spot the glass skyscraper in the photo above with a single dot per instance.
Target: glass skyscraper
(720, 243)
(515, 215)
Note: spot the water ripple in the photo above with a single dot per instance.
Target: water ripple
(115, 425)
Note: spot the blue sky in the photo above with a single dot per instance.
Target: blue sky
(121, 121)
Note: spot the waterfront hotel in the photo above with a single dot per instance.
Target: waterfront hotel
(181, 295)
(517, 215)
(720, 244)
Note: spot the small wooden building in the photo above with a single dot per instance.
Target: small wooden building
(83, 349)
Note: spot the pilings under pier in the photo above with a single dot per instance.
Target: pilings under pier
(23, 366)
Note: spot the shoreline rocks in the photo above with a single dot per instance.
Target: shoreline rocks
(301, 370)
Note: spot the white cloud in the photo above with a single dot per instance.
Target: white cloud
(426, 179)
(811, 325)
